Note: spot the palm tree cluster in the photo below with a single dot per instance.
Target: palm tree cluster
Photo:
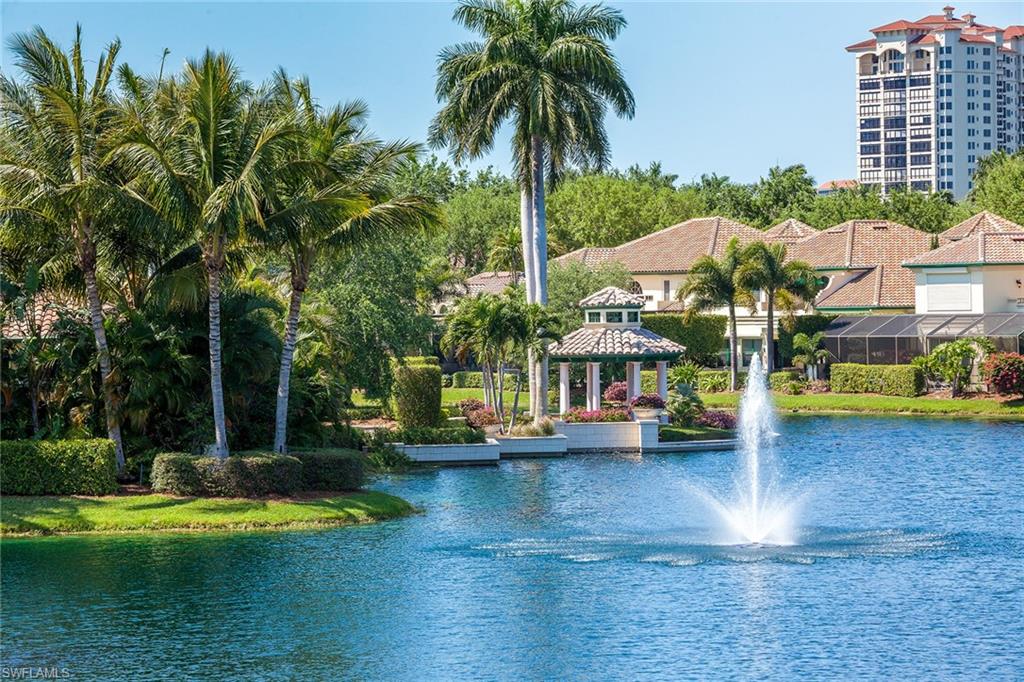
(136, 194)
(546, 67)
(738, 278)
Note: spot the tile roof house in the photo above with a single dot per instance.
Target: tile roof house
(491, 282)
(981, 222)
(676, 248)
(590, 256)
(789, 231)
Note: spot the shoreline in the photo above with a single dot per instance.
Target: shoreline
(874, 404)
(64, 516)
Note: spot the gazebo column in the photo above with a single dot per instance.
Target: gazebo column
(563, 387)
(632, 380)
(663, 379)
(593, 385)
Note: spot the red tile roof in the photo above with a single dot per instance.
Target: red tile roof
(885, 286)
(982, 248)
(676, 248)
(1012, 32)
(862, 45)
(981, 222)
(973, 38)
(790, 231)
(838, 184)
(862, 244)
(589, 256)
(491, 282)
(901, 25)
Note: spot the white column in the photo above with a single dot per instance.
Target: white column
(632, 379)
(597, 386)
(590, 385)
(563, 387)
(663, 379)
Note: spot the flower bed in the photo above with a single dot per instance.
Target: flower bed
(716, 419)
(578, 415)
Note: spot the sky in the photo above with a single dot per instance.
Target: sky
(730, 87)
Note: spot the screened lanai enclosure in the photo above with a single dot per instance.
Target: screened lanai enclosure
(897, 339)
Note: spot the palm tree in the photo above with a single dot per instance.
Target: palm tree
(506, 252)
(765, 268)
(546, 66)
(204, 156)
(711, 284)
(808, 352)
(332, 197)
(51, 174)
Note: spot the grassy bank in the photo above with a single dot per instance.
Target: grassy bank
(881, 404)
(675, 434)
(147, 513)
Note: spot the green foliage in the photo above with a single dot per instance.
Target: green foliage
(425, 435)
(475, 217)
(717, 380)
(953, 361)
(385, 458)
(421, 360)
(703, 335)
(58, 467)
(570, 282)
(1005, 371)
(466, 379)
(416, 395)
(685, 374)
(546, 427)
(998, 183)
(684, 405)
(249, 475)
(789, 327)
(780, 381)
(682, 433)
(331, 469)
(931, 212)
(894, 380)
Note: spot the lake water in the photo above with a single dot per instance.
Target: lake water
(908, 563)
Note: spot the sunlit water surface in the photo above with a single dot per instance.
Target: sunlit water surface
(907, 563)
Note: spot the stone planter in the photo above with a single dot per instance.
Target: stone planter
(533, 446)
(647, 413)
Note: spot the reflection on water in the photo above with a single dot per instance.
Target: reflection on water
(907, 565)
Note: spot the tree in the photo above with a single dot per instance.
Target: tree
(506, 252)
(546, 65)
(51, 167)
(808, 352)
(713, 283)
(332, 195)
(205, 158)
(784, 192)
(998, 183)
(765, 268)
(474, 217)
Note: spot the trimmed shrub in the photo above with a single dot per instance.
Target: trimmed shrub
(616, 392)
(332, 469)
(469, 379)
(244, 475)
(780, 381)
(1005, 371)
(578, 415)
(817, 386)
(716, 419)
(416, 394)
(425, 435)
(897, 380)
(58, 467)
(546, 427)
(703, 335)
(421, 360)
(446, 381)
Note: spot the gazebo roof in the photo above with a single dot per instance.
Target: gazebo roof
(614, 343)
(612, 297)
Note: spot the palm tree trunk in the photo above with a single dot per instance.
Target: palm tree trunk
(485, 379)
(540, 265)
(515, 400)
(733, 361)
(92, 293)
(499, 397)
(291, 333)
(216, 384)
(769, 355)
(529, 277)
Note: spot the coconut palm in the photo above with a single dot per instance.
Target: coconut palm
(506, 252)
(544, 65)
(712, 284)
(766, 269)
(808, 352)
(51, 175)
(204, 156)
(332, 196)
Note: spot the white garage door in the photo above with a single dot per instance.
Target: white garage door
(949, 293)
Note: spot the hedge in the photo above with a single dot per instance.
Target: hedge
(421, 360)
(416, 394)
(465, 379)
(254, 475)
(58, 467)
(790, 327)
(422, 435)
(703, 335)
(708, 380)
(332, 469)
(898, 380)
(780, 381)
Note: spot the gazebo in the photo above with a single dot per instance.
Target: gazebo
(611, 332)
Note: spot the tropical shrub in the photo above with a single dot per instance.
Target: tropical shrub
(545, 427)
(242, 475)
(421, 360)
(58, 467)
(616, 392)
(953, 361)
(716, 419)
(817, 386)
(897, 380)
(332, 469)
(780, 381)
(717, 380)
(684, 405)
(476, 414)
(647, 401)
(416, 395)
(468, 405)
(703, 335)
(387, 458)
(446, 381)
(427, 435)
(789, 327)
(578, 415)
(685, 373)
(794, 387)
(1005, 371)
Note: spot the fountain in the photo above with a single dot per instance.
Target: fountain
(757, 511)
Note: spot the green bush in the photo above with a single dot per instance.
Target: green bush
(426, 435)
(791, 326)
(332, 469)
(446, 381)
(897, 380)
(546, 427)
(416, 395)
(780, 381)
(58, 467)
(249, 475)
(421, 360)
(466, 379)
(717, 380)
(703, 335)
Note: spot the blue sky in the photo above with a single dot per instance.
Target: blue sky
(727, 87)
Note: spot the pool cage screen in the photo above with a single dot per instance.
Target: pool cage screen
(897, 339)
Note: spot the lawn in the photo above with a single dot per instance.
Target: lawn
(854, 402)
(146, 513)
(675, 434)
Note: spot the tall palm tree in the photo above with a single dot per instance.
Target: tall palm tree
(205, 156)
(712, 284)
(51, 174)
(506, 252)
(765, 268)
(332, 196)
(544, 65)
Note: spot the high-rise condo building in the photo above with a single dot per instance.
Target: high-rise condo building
(934, 96)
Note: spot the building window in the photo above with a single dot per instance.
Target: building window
(593, 317)
(633, 316)
(666, 289)
(613, 316)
